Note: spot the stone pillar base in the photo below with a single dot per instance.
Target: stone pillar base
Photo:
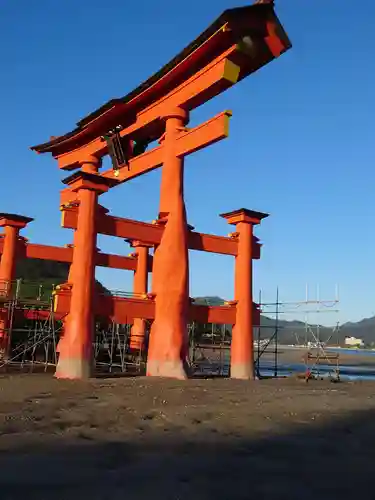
(73, 369)
(168, 369)
(242, 371)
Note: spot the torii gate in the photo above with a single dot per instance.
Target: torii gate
(238, 43)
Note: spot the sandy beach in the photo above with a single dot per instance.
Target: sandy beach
(217, 439)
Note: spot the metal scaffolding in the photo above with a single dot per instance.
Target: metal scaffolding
(31, 329)
(112, 353)
(209, 349)
(33, 332)
(209, 345)
(309, 349)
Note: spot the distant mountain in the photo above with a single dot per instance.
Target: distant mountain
(364, 329)
(363, 323)
(291, 330)
(45, 272)
(209, 301)
(295, 332)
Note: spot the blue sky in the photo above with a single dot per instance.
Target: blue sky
(299, 146)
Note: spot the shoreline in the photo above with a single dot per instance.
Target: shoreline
(292, 355)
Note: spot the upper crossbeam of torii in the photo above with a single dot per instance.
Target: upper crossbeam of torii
(238, 43)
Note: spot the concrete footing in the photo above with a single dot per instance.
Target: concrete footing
(242, 371)
(73, 369)
(169, 369)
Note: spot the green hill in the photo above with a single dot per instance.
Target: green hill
(46, 271)
(40, 276)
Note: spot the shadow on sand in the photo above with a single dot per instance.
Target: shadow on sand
(327, 462)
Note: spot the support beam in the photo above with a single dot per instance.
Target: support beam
(152, 233)
(119, 261)
(220, 315)
(124, 310)
(61, 254)
(188, 142)
(217, 76)
(119, 309)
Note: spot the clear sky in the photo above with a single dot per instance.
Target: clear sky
(301, 144)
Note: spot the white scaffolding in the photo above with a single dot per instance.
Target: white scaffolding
(311, 337)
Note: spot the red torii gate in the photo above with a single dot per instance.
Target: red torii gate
(238, 43)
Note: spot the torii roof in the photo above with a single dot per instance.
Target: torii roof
(188, 61)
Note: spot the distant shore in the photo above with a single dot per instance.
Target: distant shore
(292, 355)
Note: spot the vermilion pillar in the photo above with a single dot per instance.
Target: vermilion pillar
(140, 286)
(100, 210)
(75, 359)
(242, 347)
(172, 174)
(12, 224)
(167, 351)
(69, 284)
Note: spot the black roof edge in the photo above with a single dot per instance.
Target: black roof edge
(225, 17)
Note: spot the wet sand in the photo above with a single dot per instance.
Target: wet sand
(202, 439)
